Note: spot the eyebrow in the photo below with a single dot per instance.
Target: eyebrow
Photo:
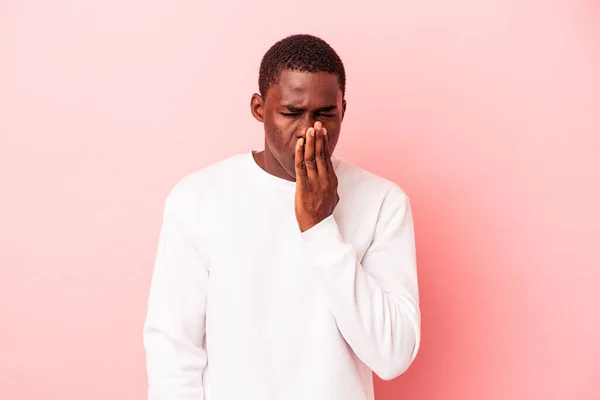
(293, 109)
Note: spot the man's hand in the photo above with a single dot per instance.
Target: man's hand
(316, 182)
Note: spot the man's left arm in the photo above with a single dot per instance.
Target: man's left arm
(375, 301)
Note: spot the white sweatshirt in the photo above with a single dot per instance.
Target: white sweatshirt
(243, 306)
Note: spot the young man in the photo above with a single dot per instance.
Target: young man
(286, 273)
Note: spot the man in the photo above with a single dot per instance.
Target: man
(286, 273)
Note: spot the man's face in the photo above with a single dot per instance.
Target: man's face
(293, 105)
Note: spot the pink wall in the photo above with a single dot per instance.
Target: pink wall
(487, 112)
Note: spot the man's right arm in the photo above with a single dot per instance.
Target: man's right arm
(175, 322)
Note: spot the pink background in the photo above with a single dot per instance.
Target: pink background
(486, 112)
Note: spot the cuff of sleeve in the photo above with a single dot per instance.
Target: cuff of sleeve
(323, 240)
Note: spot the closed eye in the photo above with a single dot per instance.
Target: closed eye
(297, 114)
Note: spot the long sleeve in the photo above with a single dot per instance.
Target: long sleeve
(175, 323)
(375, 300)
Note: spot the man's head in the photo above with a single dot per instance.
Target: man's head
(301, 81)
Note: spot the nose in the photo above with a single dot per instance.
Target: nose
(308, 122)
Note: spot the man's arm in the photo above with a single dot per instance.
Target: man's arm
(175, 323)
(375, 301)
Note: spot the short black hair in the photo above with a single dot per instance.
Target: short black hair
(304, 53)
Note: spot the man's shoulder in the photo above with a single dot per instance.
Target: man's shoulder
(358, 180)
(207, 178)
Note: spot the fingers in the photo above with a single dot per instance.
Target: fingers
(327, 150)
(320, 150)
(309, 154)
(300, 165)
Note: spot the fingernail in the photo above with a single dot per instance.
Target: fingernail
(301, 141)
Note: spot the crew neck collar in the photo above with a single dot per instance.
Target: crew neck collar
(275, 180)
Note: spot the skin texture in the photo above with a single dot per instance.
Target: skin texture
(302, 115)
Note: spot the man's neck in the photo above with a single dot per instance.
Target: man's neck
(270, 165)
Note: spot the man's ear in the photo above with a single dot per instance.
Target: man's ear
(257, 107)
(343, 108)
